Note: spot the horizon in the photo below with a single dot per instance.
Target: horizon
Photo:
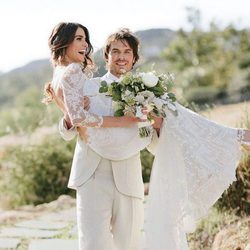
(26, 25)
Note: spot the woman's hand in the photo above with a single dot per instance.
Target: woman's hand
(246, 136)
(245, 143)
(86, 103)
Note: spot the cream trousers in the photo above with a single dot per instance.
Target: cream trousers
(106, 218)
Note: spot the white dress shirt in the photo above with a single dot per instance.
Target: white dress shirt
(112, 143)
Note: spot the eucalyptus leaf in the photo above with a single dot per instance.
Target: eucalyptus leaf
(119, 113)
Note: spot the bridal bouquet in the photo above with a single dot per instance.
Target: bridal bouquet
(133, 92)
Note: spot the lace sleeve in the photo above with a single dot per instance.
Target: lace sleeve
(194, 163)
(241, 134)
(72, 85)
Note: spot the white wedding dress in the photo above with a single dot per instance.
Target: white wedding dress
(194, 163)
(111, 143)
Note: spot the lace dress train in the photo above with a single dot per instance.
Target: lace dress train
(194, 163)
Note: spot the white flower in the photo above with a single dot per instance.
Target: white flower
(149, 79)
(139, 98)
(130, 100)
(128, 96)
(172, 77)
(147, 94)
(158, 103)
(165, 96)
(128, 93)
(149, 107)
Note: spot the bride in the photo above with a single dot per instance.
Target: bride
(195, 160)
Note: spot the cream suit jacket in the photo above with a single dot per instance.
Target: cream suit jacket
(127, 173)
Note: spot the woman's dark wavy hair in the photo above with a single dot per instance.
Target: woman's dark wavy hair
(61, 37)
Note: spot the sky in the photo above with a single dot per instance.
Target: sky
(25, 25)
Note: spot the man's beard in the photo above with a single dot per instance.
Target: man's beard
(123, 71)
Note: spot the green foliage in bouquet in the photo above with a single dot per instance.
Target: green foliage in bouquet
(140, 89)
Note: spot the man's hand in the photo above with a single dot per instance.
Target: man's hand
(157, 120)
(157, 124)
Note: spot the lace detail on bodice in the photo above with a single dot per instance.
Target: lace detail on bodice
(72, 85)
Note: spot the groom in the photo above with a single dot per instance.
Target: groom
(109, 193)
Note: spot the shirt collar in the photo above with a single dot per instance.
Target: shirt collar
(112, 77)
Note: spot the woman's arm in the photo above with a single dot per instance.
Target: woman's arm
(66, 133)
(72, 87)
(73, 81)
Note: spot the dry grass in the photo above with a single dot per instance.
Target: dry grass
(221, 231)
(25, 139)
(232, 115)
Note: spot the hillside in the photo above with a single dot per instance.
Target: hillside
(13, 83)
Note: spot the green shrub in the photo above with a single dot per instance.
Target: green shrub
(147, 161)
(28, 113)
(213, 223)
(35, 174)
(201, 95)
(237, 196)
(39, 173)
